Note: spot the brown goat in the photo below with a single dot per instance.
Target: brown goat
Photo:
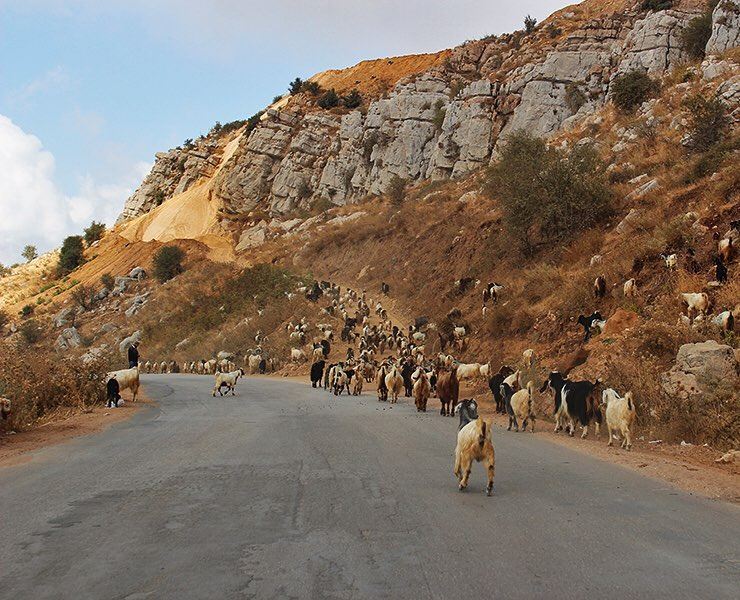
(448, 391)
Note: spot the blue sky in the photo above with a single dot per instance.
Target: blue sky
(90, 90)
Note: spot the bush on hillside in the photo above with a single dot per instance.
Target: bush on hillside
(29, 253)
(328, 99)
(547, 193)
(697, 33)
(656, 4)
(168, 263)
(107, 280)
(71, 255)
(94, 232)
(530, 23)
(709, 122)
(253, 121)
(83, 296)
(4, 319)
(352, 100)
(27, 311)
(630, 90)
(31, 332)
(396, 190)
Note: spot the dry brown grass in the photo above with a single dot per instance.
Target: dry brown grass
(41, 382)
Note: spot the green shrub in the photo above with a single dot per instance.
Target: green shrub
(107, 280)
(158, 196)
(295, 86)
(530, 23)
(574, 97)
(696, 35)
(396, 190)
(83, 296)
(656, 4)
(277, 99)
(94, 232)
(709, 122)
(168, 263)
(548, 193)
(71, 255)
(253, 121)
(328, 99)
(632, 89)
(27, 311)
(29, 253)
(30, 332)
(352, 100)
(554, 31)
(439, 115)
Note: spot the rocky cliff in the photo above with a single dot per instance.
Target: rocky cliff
(441, 119)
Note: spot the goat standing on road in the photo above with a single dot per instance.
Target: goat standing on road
(473, 444)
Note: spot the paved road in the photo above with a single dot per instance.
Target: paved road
(286, 492)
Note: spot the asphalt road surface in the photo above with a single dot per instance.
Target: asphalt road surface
(287, 492)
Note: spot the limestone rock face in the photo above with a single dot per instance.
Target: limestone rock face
(438, 124)
(725, 27)
(701, 368)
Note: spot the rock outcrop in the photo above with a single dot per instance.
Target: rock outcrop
(725, 27)
(438, 124)
(701, 368)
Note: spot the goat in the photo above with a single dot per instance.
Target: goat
(519, 405)
(630, 288)
(494, 384)
(394, 383)
(725, 321)
(380, 384)
(317, 372)
(357, 387)
(600, 287)
(128, 379)
(695, 303)
(720, 270)
(422, 389)
(407, 370)
(555, 382)
(227, 380)
(448, 391)
(578, 402)
(297, 355)
(620, 416)
(671, 261)
(473, 444)
(726, 249)
(468, 371)
(588, 323)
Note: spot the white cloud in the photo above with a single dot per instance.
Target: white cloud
(32, 208)
(51, 80)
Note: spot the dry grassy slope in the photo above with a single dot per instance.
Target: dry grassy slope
(373, 78)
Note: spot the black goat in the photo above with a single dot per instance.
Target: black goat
(494, 384)
(468, 411)
(317, 372)
(720, 270)
(588, 323)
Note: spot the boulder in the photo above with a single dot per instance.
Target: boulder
(63, 317)
(137, 273)
(137, 304)
(126, 342)
(94, 354)
(252, 237)
(69, 338)
(700, 368)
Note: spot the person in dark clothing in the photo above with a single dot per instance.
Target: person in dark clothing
(113, 392)
(133, 356)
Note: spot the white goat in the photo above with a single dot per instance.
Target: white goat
(696, 303)
(128, 379)
(620, 416)
(630, 288)
(474, 444)
(227, 380)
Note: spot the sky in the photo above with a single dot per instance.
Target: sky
(90, 90)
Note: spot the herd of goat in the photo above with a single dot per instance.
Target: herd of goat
(399, 363)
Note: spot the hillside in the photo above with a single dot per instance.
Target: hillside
(399, 190)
